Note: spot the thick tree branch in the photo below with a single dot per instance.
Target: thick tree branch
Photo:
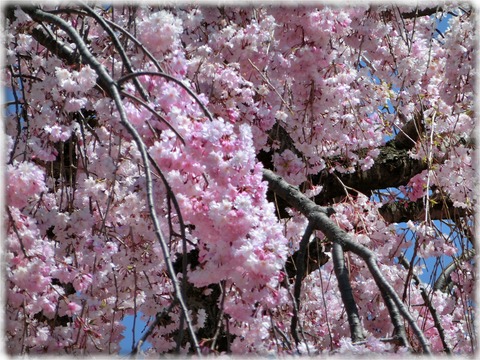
(319, 216)
(389, 14)
(393, 167)
(404, 210)
(56, 47)
(428, 11)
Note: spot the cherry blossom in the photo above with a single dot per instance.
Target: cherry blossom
(137, 145)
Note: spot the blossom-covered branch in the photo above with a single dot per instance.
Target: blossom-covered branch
(114, 93)
(319, 217)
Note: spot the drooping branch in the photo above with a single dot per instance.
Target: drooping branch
(298, 280)
(138, 43)
(343, 279)
(170, 78)
(320, 217)
(399, 333)
(161, 316)
(126, 61)
(444, 279)
(55, 46)
(292, 195)
(436, 319)
(112, 88)
(155, 113)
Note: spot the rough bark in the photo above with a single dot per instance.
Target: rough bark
(393, 167)
(402, 211)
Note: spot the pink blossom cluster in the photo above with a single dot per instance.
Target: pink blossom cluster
(81, 251)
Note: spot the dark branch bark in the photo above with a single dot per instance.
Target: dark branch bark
(300, 261)
(343, 278)
(56, 47)
(393, 167)
(422, 12)
(389, 14)
(444, 279)
(314, 259)
(319, 217)
(403, 210)
(42, 36)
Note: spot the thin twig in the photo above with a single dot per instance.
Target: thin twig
(118, 46)
(152, 110)
(264, 77)
(158, 318)
(436, 319)
(220, 316)
(138, 43)
(15, 230)
(323, 291)
(171, 78)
